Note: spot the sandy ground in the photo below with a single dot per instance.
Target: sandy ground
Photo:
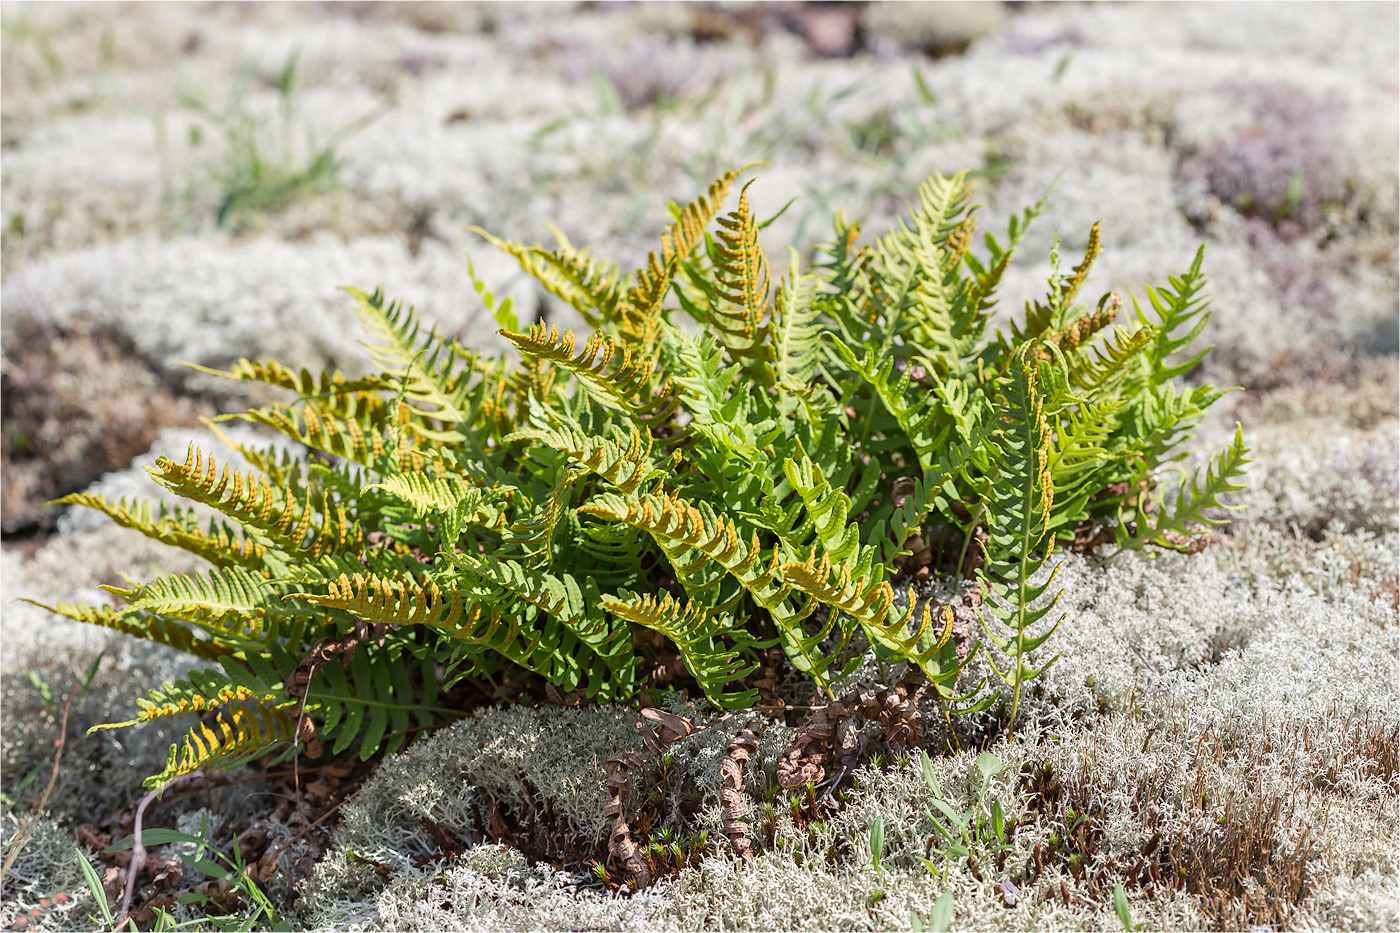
(195, 182)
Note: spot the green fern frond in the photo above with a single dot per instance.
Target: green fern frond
(179, 527)
(1181, 312)
(380, 699)
(169, 632)
(232, 598)
(1019, 511)
(306, 384)
(717, 400)
(1197, 498)
(698, 636)
(573, 605)
(621, 384)
(450, 499)
(918, 413)
(360, 440)
(425, 365)
(1113, 359)
(625, 462)
(797, 331)
(691, 533)
(828, 510)
(389, 601)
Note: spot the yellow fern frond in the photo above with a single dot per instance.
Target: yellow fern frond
(613, 374)
(592, 286)
(397, 601)
(176, 527)
(203, 691)
(168, 632)
(697, 634)
(868, 601)
(323, 386)
(235, 735)
(287, 520)
(641, 314)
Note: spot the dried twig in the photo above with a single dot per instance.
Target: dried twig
(138, 850)
(24, 835)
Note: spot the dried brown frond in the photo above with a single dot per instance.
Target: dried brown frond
(619, 770)
(837, 727)
(733, 807)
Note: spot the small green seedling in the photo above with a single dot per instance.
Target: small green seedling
(94, 885)
(261, 913)
(877, 844)
(1120, 907)
(939, 919)
(979, 832)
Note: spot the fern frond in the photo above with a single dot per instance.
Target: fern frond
(625, 462)
(698, 636)
(360, 440)
(425, 366)
(1019, 519)
(693, 532)
(590, 285)
(178, 527)
(797, 330)
(737, 289)
(621, 384)
(718, 401)
(231, 598)
(828, 510)
(641, 312)
(1181, 312)
(574, 606)
(858, 595)
(203, 691)
(378, 700)
(236, 735)
(396, 601)
(918, 413)
(325, 386)
(169, 632)
(1113, 359)
(867, 598)
(1197, 497)
(451, 499)
(284, 519)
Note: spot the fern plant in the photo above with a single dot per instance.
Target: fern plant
(708, 474)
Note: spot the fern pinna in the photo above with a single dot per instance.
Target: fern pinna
(710, 473)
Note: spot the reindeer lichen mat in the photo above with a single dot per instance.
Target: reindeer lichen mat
(761, 476)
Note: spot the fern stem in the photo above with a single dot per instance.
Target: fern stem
(867, 424)
(968, 536)
(948, 720)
